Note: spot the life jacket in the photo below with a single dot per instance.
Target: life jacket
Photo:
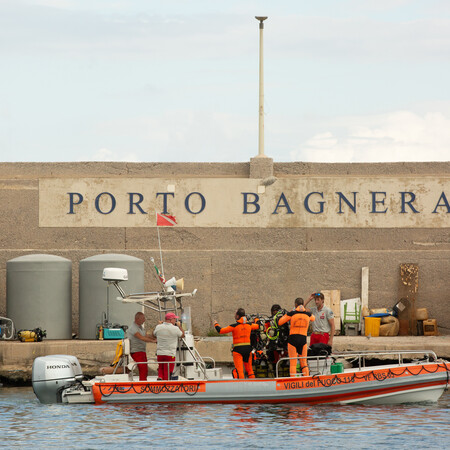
(299, 319)
(241, 331)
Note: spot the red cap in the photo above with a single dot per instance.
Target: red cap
(170, 316)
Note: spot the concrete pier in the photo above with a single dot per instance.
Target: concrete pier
(16, 358)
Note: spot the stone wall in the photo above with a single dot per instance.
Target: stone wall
(232, 267)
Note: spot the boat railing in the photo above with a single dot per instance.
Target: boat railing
(320, 364)
(212, 361)
(400, 356)
(200, 366)
(195, 356)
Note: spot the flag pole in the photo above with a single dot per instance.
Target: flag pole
(159, 243)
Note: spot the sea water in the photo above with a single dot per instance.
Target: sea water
(25, 423)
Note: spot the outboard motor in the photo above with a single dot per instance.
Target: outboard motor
(51, 374)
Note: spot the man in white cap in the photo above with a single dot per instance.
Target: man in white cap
(167, 334)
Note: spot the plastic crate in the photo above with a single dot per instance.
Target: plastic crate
(113, 333)
(320, 366)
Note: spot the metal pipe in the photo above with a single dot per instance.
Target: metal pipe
(119, 288)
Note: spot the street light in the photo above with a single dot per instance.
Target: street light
(261, 154)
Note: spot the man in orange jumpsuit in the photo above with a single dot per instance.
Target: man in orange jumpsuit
(299, 319)
(241, 342)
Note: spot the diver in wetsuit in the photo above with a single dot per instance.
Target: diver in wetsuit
(299, 319)
(242, 348)
(276, 335)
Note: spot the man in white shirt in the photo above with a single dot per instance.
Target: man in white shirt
(323, 327)
(167, 334)
(138, 340)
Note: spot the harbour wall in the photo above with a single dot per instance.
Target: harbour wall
(317, 226)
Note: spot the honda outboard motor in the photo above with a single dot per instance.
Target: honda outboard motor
(51, 374)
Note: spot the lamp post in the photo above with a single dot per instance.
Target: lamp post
(261, 88)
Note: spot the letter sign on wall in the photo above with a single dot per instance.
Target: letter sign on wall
(308, 202)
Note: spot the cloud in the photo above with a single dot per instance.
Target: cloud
(396, 136)
(177, 80)
(179, 135)
(47, 27)
(361, 38)
(66, 28)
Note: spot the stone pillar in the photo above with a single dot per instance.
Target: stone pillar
(261, 167)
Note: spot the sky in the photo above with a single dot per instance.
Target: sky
(178, 80)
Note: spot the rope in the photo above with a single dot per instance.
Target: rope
(378, 377)
(160, 388)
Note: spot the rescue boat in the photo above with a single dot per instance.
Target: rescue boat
(408, 377)
(59, 379)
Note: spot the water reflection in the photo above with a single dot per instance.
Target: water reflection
(25, 422)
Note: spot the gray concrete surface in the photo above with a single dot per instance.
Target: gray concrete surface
(16, 358)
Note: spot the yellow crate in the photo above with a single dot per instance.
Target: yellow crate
(430, 327)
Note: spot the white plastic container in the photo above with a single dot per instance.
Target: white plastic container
(320, 366)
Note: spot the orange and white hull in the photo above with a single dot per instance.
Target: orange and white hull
(378, 385)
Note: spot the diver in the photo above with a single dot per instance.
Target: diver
(299, 319)
(276, 335)
(242, 349)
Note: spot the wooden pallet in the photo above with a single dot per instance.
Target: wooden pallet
(333, 301)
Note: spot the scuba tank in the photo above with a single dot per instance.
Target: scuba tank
(274, 331)
(35, 335)
(260, 366)
(283, 330)
(257, 337)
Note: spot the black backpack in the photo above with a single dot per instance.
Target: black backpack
(319, 350)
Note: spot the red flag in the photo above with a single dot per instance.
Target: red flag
(164, 220)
